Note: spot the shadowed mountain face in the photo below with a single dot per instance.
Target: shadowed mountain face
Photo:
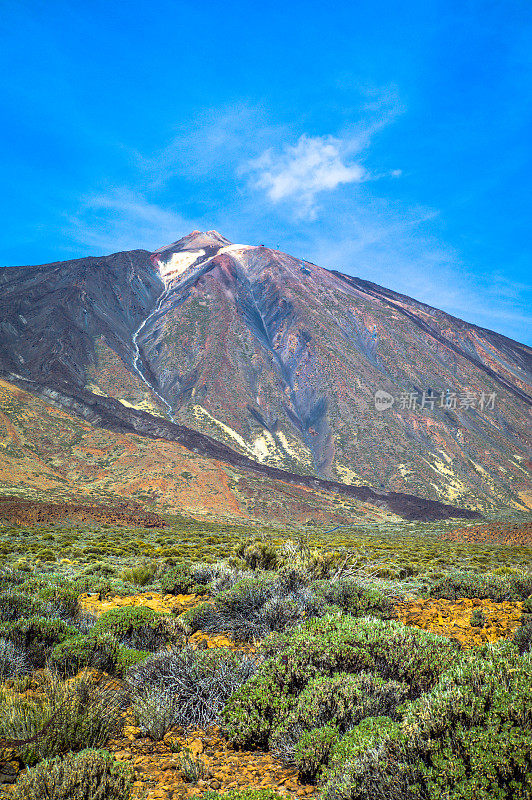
(280, 361)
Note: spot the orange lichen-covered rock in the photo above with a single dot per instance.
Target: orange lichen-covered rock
(453, 618)
(166, 603)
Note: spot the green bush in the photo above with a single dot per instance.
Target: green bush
(313, 750)
(62, 597)
(178, 580)
(246, 596)
(342, 701)
(468, 738)
(136, 626)
(36, 636)
(345, 700)
(472, 734)
(98, 650)
(140, 575)
(326, 646)
(128, 657)
(484, 586)
(351, 765)
(478, 618)
(89, 775)
(522, 583)
(58, 717)
(355, 599)
(198, 618)
(16, 604)
(99, 586)
(257, 555)
(522, 637)
(527, 606)
(311, 562)
(192, 767)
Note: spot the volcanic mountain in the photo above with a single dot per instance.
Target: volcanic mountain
(278, 366)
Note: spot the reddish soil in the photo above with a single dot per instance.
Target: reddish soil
(509, 533)
(32, 512)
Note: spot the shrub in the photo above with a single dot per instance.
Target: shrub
(522, 583)
(192, 767)
(258, 555)
(352, 764)
(239, 608)
(484, 586)
(62, 599)
(246, 596)
(468, 738)
(136, 626)
(279, 613)
(13, 661)
(201, 617)
(155, 711)
(98, 650)
(326, 646)
(222, 576)
(522, 637)
(178, 580)
(14, 605)
(36, 637)
(313, 749)
(308, 561)
(101, 587)
(89, 775)
(478, 618)
(199, 681)
(527, 606)
(472, 734)
(346, 699)
(355, 599)
(140, 575)
(254, 607)
(128, 658)
(10, 577)
(59, 717)
(342, 700)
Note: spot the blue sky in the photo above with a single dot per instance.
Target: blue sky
(389, 140)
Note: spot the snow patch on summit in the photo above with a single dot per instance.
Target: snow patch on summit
(181, 261)
(177, 265)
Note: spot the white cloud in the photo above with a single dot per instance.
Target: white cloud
(298, 173)
(124, 220)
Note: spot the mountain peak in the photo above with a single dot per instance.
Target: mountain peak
(299, 368)
(196, 240)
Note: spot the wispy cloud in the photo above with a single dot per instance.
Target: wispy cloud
(124, 220)
(212, 141)
(300, 172)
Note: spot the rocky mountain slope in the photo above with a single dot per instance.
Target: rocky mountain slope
(49, 454)
(290, 366)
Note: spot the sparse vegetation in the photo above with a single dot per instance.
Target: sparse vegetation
(89, 775)
(359, 704)
(57, 717)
